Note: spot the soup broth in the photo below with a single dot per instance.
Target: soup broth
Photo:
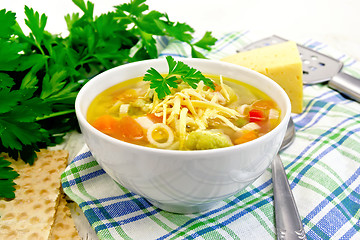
(188, 119)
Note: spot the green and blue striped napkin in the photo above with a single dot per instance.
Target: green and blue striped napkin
(322, 165)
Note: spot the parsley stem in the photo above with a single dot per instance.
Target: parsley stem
(55, 114)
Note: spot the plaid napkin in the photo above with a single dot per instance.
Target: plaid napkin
(323, 167)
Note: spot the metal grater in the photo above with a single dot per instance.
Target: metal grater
(318, 68)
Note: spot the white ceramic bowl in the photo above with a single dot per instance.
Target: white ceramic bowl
(183, 181)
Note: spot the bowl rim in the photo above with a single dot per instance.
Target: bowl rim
(82, 119)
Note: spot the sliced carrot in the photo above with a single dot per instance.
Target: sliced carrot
(105, 124)
(126, 128)
(246, 137)
(154, 118)
(129, 130)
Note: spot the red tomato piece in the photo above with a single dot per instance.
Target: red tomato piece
(256, 115)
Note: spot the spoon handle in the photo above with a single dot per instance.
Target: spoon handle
(288, 222)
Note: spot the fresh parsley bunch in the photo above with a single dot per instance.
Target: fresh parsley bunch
(41, 73)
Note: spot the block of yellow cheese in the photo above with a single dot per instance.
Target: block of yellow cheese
(280, 62)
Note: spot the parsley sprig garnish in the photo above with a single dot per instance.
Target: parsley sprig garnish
(41, 73)
(178, 71)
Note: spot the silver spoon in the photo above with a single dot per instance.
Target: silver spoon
(288, 222)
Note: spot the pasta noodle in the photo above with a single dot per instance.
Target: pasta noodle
(170, 135)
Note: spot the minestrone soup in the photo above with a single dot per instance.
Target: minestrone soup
(187, 119)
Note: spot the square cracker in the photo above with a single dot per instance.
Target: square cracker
(63, 227)
(31, 214)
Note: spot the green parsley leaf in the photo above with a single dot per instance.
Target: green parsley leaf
(7, 176)
(17, 118)
(88, 8)
(151, 23)
(206, 41)
(177, 71)
(6, 80)
(196, 54)
(36, 23)
(7, 20)
(179, 31)
(134, 8)
(10, 50)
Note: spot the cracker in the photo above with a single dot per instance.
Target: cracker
(64, 226)
(31, 214)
